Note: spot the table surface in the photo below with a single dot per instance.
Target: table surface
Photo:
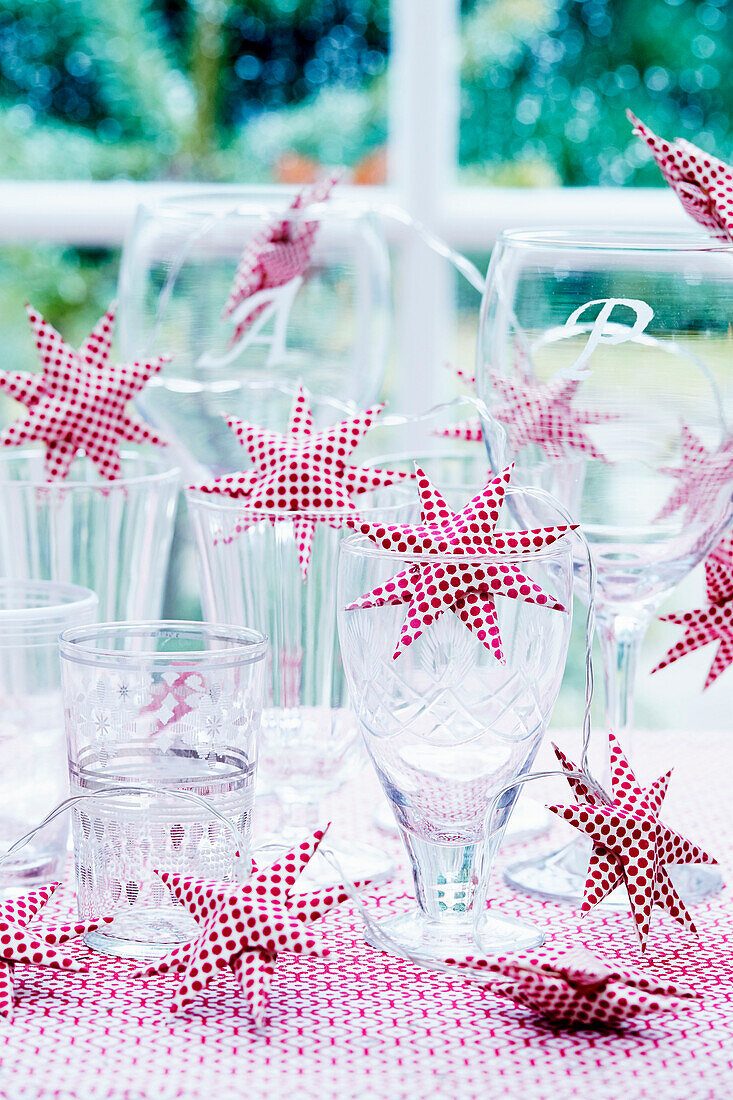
(364, 1024)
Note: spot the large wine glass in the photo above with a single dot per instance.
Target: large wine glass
(605, 355)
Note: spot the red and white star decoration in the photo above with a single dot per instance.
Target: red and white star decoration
(702, 183)
(245, 927)
(302, 472)
(170, 695)
(468, 590)
(631, 846)
(279, 252)
(714, 623)
(573, 987)
(22, 941)
(79, 401)
(702, 476)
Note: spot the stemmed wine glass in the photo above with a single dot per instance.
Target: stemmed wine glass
(447, 725)
(604, 355)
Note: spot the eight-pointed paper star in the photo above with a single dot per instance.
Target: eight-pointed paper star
(21, 943)
(302, 472)
(279, 252)
(79, 401)
(545, 415)
(573, 987)
(245, 927)
(703, 184)
(713, 623)
(443, 585)
(702, 477)
(631, 846)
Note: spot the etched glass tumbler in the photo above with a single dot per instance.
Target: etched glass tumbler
(161, 723)
(33, 774)
(448, 727)
(111, 536)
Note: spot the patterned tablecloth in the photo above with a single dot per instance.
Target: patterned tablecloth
(364, 1024)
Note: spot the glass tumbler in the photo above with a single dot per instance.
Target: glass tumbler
(161, 723)
(111, 536)
(447, 726)
(33, 775)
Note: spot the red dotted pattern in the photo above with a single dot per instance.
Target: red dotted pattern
(279, 252)
(302, 472)
(80, 400)
(631, 846)
(573, 987)
(468, 590)
(245, 928)
(703, 475)
(36, 945)
(702, 183)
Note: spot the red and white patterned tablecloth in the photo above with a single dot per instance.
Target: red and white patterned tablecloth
(364, 1024)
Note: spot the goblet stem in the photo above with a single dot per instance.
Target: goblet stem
(298, 818)
(621, 634)
(445, 877)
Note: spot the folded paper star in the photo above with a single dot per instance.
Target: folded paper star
(703, 476)
(451, 582)
(22, 943)
(280, 252)
(702, 183)
(631, 846)
(170, 695)
(714, 623)
(245, 927)
(79, 401)
(571, 986)
(302, 472)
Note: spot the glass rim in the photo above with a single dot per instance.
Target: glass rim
(262, 201)
(363, 546)
(164, 472)
(42, 620)
(599, 238)
(248, 645)
(215, 502)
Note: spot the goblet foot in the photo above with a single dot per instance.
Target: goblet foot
(561, 875)
(436, 943)
(529, 820)
(145, 933)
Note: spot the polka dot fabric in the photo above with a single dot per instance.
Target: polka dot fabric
(303, 472)
(631, 846)
(703, 477)
(575, 988)
(702, 183)
(21, 941)
(467, 589)
(79, 402)
(279, 252)
(244, 928)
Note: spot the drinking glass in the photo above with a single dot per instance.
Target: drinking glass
(111, 536)
(446, 726)
(159, 715)
(249, 567)
(33, 773)
(328, 328)
(637, 325)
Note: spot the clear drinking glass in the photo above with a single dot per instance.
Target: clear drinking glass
(111, 536)
(328, 328)
(637, 324)
(249, 567)
(173, 708)
(446, 726)
(33, 773)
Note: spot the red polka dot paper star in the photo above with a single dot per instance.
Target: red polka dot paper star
(21, 941)
(278, 253)
(631, 846)
(713, 623)
(468, 590)
(245, 927)
(303, 472)
(79, 401)
(702, 183)
(703, 477)
(571, 986)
